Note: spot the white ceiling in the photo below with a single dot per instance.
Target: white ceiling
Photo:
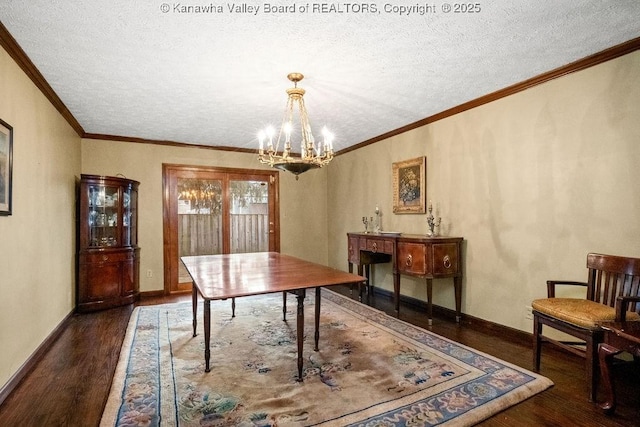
(130, 68)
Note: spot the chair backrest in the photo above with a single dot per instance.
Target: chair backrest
(611, 276)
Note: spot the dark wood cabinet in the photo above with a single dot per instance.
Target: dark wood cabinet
(108, 264)
(411, 254)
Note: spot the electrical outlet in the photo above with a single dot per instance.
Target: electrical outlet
(149, 273)
(528, 313)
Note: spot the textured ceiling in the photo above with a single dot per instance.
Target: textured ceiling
(168, 71)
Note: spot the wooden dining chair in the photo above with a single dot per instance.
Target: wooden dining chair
(609, 277)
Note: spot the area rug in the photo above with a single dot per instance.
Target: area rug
(371, 370)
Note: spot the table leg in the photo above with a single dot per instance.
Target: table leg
(606, 353)
(429, 301)
(317, 318)
(300, 294)
(233, 307)
(194, 302)
(284, 306)
(207, 334)
(457, 286)
(351, 271)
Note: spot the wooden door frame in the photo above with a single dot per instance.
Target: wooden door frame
(169, 170)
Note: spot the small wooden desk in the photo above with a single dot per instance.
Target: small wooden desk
(618, 337)
(411, 254)
(218, 277)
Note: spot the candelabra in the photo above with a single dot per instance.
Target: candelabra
(366, 221)
(433, 223)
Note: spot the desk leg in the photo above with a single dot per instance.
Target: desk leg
(360, 273)
(367, 274)
(207, 334)
(429, 302)
(317, 318)
(605, 354)
(194, 308)
(300, 325)
(396, 292)
(457, 286)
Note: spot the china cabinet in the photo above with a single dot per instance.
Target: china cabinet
(108, 255)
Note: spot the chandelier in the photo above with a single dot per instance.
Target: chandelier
(311, 155)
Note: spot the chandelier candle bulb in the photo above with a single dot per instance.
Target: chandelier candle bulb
(287, 132)
(270, 133)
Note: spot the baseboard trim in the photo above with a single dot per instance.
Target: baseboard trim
(35, 357)
(482, 325)
(154, 294)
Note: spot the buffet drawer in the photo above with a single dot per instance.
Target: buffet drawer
(412, 258)
(437, 260)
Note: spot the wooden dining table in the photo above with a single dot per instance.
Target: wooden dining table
(219, 277)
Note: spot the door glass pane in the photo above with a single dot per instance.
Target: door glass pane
(249, 228)
(199, 220)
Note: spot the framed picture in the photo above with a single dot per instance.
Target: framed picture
(410, 186)
(6, 167)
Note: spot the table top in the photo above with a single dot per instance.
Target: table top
(628, 330)
(237, 275)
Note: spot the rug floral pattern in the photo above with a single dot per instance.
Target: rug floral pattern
(371, 370)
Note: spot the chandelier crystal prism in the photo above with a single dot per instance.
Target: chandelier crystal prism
(311, 155)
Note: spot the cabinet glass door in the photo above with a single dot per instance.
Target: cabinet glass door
(103, 216)
(129, 217)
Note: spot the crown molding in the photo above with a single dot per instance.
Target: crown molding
(107, 137)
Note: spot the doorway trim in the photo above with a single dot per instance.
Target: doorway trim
(169, 170)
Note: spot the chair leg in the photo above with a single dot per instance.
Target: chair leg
(537, 343)
(592, 367)
(605, 357)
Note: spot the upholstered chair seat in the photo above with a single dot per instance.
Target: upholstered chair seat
(580, 312)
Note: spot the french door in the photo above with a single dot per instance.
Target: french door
(209, 211)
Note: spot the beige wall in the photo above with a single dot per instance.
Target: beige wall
(37, 242)
(303, 218)
(533, 182)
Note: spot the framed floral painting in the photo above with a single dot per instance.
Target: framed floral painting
(6, 167)
(410, 186)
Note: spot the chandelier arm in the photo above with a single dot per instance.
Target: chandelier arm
(287, 118)
(307, 143)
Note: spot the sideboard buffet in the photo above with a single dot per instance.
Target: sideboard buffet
(108, 264)
(410, 254)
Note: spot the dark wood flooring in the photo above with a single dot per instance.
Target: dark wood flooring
(69, 386)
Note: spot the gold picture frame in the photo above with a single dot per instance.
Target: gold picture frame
(410, 186)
